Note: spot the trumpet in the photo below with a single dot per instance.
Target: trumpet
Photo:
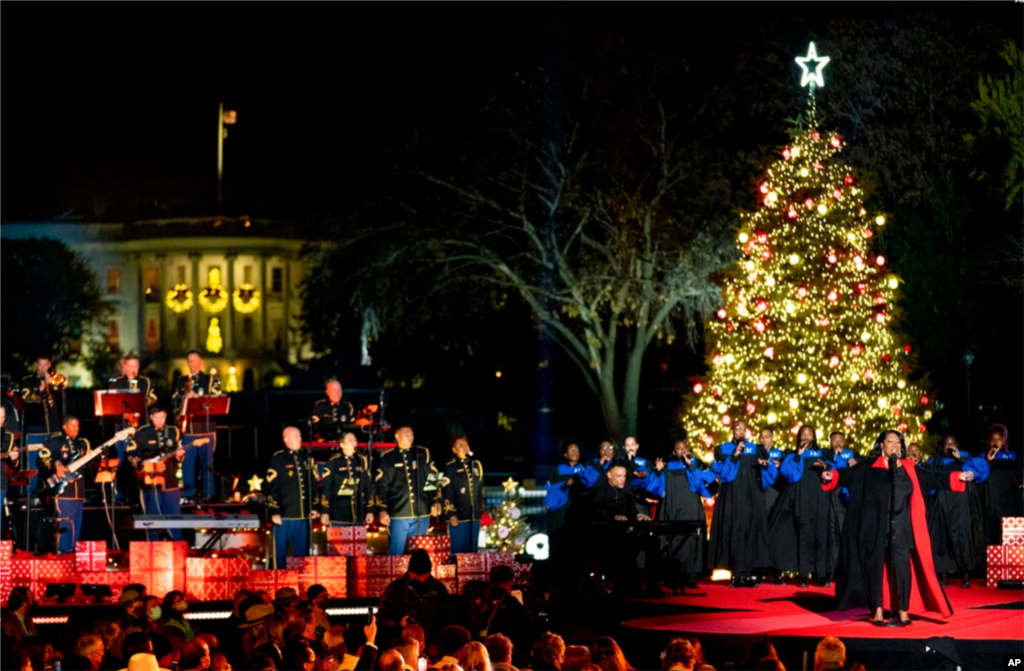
(57, 381)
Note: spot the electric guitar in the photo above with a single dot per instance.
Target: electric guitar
(65, 475)
(146, 469)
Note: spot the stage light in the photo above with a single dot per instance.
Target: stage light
(538, 546)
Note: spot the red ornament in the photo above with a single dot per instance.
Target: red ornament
(708, 439)
(885, 358)
(815, 136)
(716, 392)
(879, 299)
(726, 419)
(486, 520)
(761, 236)
(924, 400)
(858, 260)
(759, 326)
(834, 361)
(802, 292)
(792, 213)
(861, 287)
(786, 153)
(766, 254)
(832, 258)
(717, 359)
(880, 318)
(868, 233)
(769, 352)
(836, 142)
(698, 388)
(817, 165)
(922, 428)
(809, 203)
(848, 180)
(823, 322)
(880, 260)
(823, 389)
(721, 313)
(761, 304)
(750, 408)
(848, 421)
(902, 428)
(856, 350)
(896, 411)
(869, 374)
(906, 348)
(764, 188)
(728, 327)
(837, 194)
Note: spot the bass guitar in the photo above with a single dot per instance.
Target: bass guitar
(65, 475)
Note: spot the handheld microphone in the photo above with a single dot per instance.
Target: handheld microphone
(892, 461)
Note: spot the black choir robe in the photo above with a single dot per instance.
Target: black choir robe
(1002, 493)
(860, 578)
(773, 493)
(739, 525)
(799, 525)
(682, 489)
(955, 522)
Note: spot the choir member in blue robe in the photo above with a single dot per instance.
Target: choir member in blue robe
(684, 484)
(564, 489)
(739, 526)
(956, 523)
(798, 527)
(1003, 487)
(772, 494)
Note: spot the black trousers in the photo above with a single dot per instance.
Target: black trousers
(901, 562)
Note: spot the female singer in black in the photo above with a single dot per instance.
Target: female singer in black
(861, 577)
(1003, 487)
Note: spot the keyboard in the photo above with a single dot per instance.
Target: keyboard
(196, 521)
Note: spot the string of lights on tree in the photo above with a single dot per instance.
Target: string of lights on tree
(508, 529)
(805, 333)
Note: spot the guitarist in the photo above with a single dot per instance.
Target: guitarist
(60, 450)
(10, 456)
(160, 493)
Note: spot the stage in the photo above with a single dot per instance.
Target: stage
(986, 624)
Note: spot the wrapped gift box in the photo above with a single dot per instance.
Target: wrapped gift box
(1013, 539)
(271, 580)
(523, 566)
(997, 573)
(91, 556)
(1005, 556)
(1013, 524)
(159, 565)
(432, 544)
(331, 572)
(346, 541)
(117, 580)
(369, 575)
(476, 565)
(28, 570)
(215, 578)
(6, 552)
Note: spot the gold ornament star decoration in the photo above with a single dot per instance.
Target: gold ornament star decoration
(511, 486)
(255, 483)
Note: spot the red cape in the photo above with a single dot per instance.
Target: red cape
(926, 594)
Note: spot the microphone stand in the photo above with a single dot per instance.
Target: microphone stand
(894, 595)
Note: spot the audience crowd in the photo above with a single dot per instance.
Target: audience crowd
(417, 627)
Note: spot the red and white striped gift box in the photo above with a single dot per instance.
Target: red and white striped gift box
(1013, 524)
(996, 573)
(271, 580)
(6, 552)
(117, 580)
(1005, 555)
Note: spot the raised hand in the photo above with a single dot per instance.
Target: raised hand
(659, 464)
(826, 476)
(966, 476)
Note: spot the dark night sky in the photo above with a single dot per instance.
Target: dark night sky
(110, 108)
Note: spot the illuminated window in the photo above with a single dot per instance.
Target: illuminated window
(152, 341)
(181, 275)
(247, 274)
(277, 280)
(151, 284)
(113, 333)
(113, 281)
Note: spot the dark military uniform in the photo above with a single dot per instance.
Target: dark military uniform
(40, 413)
(165, 499)
(60, 449)
(7, 443)
(463, 499)
(400, 490)
(291, 494)
(202, 384)
(140, 383)
(328, 418)
(345, 490)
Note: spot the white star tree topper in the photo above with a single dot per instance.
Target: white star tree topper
(813, 77)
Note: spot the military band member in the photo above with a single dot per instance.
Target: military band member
(194, 385)
(9, 446)
(346, 490)
(406, 490)
(291, 496)
(62, 448)
(43, 398)
(329, 414)
(160, 495)
(130, 380)
(463, 496)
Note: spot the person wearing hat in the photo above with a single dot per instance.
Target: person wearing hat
(417, 594)
(286, 598)
(143, 661)
(132, 609)
(255, 614)
(318, 596)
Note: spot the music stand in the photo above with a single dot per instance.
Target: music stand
(205, 406)
(119, 402)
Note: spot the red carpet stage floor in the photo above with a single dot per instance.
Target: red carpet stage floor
(986, 624)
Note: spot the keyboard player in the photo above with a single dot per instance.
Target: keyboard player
(619, 542)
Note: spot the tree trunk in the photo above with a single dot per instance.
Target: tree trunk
(631, 390)
(610, 404)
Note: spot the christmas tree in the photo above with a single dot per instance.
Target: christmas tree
(508, 530)
(805, 335)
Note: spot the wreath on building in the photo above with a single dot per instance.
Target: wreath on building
(246, 298)
(213, 298)
(179, 299)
